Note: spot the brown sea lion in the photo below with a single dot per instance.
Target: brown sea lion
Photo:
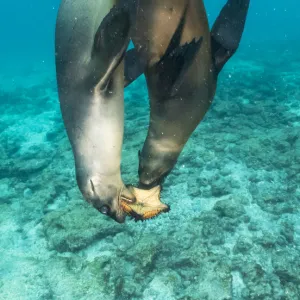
(181, 68)
(181, 83)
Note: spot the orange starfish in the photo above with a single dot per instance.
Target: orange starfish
(147, 205)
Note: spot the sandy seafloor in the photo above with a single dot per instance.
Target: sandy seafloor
(233, 231)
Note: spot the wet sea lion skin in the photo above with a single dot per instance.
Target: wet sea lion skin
(90, 42)
(173, 116)
(176, 110)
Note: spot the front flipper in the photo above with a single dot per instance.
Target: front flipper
(110, 42)
(227, 31)
(173, 65)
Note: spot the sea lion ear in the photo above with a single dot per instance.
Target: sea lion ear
(111, 41)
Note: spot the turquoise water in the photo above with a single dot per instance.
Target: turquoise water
(233, 231)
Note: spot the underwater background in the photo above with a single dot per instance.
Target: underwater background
(233, 231)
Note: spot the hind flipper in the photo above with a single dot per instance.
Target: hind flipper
(227, 31)
(134, 66)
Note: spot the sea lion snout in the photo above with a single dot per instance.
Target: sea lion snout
(104, 197)
(154, 167)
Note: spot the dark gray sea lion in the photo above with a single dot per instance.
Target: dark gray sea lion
(181, 71)
(90, 77)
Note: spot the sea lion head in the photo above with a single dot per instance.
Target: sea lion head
(105, 194)
(154, 167)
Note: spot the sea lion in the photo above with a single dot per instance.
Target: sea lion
(90, 41)
(181, 70)
(180, 99)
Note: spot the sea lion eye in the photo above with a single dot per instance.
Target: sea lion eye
(104, 209)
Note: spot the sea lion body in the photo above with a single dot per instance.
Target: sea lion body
(173, 118)
(91, 85)
(177, 105)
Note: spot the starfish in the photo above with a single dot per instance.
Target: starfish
(147, 205)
